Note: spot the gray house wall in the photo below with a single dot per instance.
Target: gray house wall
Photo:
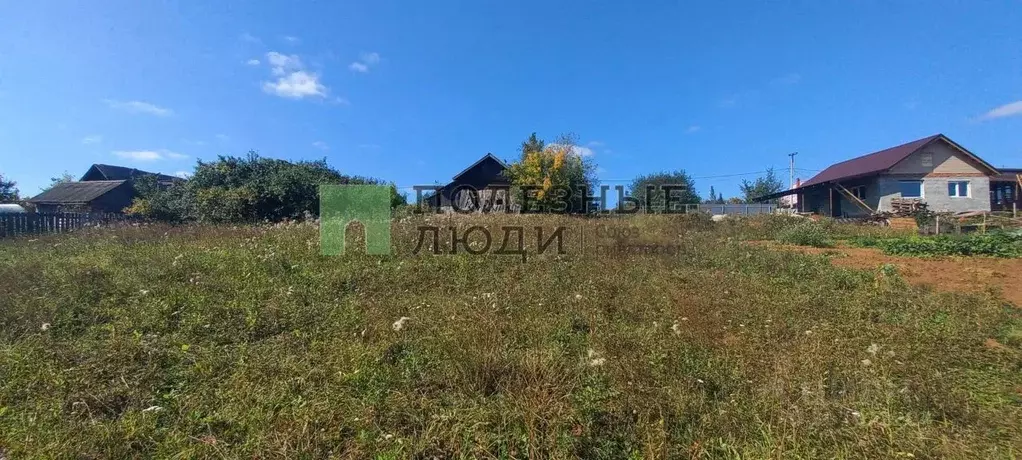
(935, 193)
(935, 165)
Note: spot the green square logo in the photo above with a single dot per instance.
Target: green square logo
(339, 205)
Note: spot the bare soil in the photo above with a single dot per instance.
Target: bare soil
(957, 274)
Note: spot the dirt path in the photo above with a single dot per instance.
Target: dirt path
(947, 273)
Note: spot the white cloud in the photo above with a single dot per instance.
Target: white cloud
(1006, 110)
(293, 81)
(92, 139)
(139, 107)
(595, 144)
(281, 64)
(365, 62)
(577, 150)
(183, 174)
(252, 62)
(296, 85)
(321, 145)
(149, 155)
(291, 39)
(693, 129)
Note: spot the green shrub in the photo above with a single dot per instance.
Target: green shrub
(806, 233)
(997, 244)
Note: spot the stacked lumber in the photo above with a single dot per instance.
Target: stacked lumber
(903, 223)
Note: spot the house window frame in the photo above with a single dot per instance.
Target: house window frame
(958, 189)
(856, 192)
(922, 189)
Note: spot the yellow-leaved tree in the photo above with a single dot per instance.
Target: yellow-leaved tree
(552, 177)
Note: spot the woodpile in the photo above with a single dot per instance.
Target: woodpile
(906, 206)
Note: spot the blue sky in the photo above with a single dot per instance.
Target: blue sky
(413, 92)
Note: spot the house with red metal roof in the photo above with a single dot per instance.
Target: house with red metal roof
(934, 170)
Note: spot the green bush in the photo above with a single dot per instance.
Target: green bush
(997, 244)
(806, 233)
(248, 189)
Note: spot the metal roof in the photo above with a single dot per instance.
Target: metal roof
(11, 208)
(1007, 175)
(883, 160)
(76, 192)
(477, 163)
(875, 163)
(112, 172)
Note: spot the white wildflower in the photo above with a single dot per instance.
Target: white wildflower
(684, 318)
(143, 291)
(809, 332)
(595, 359)
(400, 323)
(45, 326)
(676, 328)
(578, 296)
(873, 349)
(700, 381)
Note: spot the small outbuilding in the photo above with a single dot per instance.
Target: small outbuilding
(105, 196)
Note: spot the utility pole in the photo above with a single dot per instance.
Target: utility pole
(791, 170)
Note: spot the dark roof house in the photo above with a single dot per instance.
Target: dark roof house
(933, 170)
(110, 196)
(475, 187)
(103, 188)
(111, 172)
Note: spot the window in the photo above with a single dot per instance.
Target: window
(927, 159)
(911, 188)
(859, 192)
(958, 189)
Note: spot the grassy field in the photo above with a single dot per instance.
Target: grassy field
(245, 342)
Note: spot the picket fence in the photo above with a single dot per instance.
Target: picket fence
(12, 225)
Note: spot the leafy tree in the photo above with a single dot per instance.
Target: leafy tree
(638, 189)
(63, 178)
(8, 189)
(763, 185)
(548, 172)
(168, 203)
(532, 144)
(244, 189)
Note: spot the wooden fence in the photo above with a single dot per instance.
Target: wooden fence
(38, 223)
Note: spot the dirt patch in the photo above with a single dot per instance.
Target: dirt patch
(957, 274)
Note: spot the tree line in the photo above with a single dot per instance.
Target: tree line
(254, 188)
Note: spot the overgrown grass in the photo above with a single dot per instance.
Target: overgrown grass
(806, 233)
(995, 244)
(245, 342)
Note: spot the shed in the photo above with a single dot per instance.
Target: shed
(110, 196)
